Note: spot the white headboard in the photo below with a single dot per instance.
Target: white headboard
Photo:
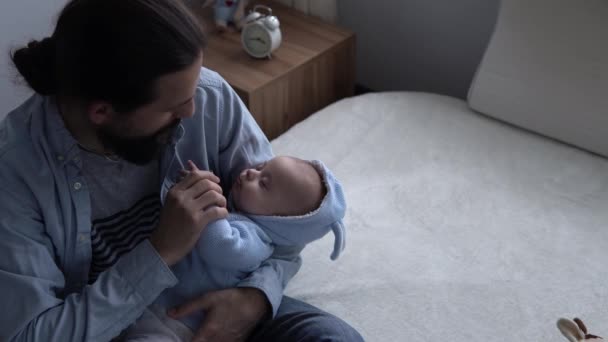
(545, 69)
(324, 9)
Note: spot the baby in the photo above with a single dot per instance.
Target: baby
(277, 207)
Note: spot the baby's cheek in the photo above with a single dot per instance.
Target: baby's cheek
(247, 200)
(259, 204)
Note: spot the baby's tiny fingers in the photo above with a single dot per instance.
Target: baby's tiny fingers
(193, 166)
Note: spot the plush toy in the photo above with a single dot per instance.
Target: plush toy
(226, 12)
(575, 330)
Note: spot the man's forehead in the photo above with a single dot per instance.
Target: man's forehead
(179, 82)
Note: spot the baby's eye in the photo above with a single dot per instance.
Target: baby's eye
(262, 184)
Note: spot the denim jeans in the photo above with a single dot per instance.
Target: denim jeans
(297, 321)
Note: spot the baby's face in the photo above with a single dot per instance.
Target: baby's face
(283, 186)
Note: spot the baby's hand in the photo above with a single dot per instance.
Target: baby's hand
(199, 173)
(190, 206)
(195, 174)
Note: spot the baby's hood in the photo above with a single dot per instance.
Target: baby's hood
(301, 230)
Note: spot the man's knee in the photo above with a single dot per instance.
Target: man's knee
(326, 327)
(298, 321)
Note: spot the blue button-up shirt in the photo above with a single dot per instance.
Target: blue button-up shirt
(45, 220)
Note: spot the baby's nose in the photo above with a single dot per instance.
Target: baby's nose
(250, 174)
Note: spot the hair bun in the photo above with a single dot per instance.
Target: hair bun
(36, 63)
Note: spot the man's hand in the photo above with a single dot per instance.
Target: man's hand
(230, 315)
(189, 207)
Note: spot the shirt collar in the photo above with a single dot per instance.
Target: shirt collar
(63, 145)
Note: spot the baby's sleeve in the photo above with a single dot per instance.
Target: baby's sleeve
(234, 245)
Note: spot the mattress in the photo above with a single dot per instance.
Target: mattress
(459, 227)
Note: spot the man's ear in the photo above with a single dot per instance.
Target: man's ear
(100, 112)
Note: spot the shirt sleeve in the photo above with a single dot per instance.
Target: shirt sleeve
(243, 144)
(32, 284)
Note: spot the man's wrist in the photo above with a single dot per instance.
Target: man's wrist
(259, 300)
(158, 246)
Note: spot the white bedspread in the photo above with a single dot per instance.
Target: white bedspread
(459, 228)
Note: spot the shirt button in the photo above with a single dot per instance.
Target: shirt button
(82, 237)
(76, 159)
(77, 186)
(60, 158)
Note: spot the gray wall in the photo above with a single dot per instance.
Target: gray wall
(20, 21)
(420, 45)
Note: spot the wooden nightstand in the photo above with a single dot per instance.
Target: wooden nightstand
(313, 67)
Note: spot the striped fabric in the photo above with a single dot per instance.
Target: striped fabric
(125, 206)
(117, 234)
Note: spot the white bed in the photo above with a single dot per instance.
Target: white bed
(461, 227)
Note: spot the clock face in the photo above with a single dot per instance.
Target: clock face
(257, 40)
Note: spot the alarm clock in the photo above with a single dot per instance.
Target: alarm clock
(261, 34)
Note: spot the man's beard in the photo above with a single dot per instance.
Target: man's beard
(137, 150)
